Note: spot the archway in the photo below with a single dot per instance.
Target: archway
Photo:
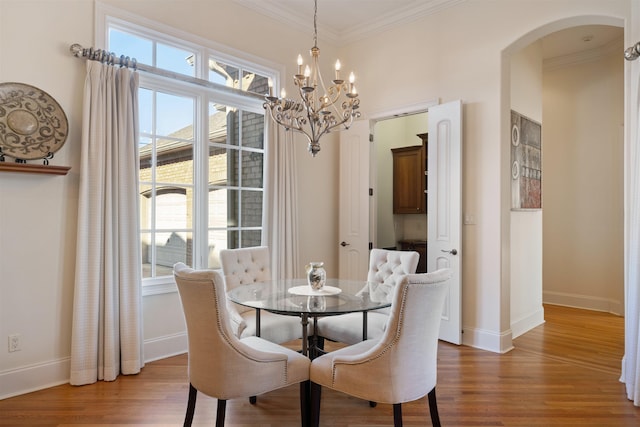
(507, 261)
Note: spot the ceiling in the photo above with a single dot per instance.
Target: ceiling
(358, 19)
(583, 39)
(342, 21)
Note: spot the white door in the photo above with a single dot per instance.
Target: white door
(444, 208)
(353, 233)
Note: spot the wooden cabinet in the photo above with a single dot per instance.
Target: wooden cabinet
(410, 178)
(419, 246)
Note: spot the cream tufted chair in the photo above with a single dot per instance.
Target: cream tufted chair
(250, 265)
(220, 364)
(400, 366)
(385, 267)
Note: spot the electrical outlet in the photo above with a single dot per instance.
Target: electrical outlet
(14, 343)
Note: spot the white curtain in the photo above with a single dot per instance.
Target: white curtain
(280, 214)
(631, 360)
(107, 327)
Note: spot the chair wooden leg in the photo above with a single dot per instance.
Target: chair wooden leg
(433, 408)
(316, 391)
(191, 406)
(222, 407)
(397, 415)
(305, 412)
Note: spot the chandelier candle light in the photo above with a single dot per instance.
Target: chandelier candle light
(315, 115)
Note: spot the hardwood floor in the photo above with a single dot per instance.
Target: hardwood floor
(563, 373)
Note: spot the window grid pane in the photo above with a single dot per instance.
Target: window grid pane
(123, 43)
(225, 74)
(252, 168)
(171, 172)
(259, 84)
(238, 204)
(251, 238)
(166, 174)
(175, 59)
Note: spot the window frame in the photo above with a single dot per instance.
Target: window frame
(108, 17)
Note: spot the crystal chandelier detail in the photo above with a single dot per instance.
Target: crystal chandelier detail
(315, 114)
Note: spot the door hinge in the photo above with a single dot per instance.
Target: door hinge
(370, 137)
(370, 245)
(371, 191)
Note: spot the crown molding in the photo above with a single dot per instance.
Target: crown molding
(401, 15)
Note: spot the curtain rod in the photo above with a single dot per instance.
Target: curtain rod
(124, 61)
(633, 52)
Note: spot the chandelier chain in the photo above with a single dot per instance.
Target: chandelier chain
(315, 24)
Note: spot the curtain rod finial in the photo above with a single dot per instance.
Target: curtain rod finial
(632, 52)
(76, 49)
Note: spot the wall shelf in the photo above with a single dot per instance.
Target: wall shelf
(31, 168)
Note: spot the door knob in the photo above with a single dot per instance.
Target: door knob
(452, 251)
(343, 244)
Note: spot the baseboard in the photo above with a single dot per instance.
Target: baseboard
(526, 323)
(165, 346)
(27, 379)
(488, 340)
(583, 301)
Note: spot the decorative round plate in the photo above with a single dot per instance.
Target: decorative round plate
(306, 290)
(32, 124)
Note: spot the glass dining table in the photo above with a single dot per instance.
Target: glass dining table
(294, 297)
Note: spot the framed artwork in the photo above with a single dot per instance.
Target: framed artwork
(526, 163)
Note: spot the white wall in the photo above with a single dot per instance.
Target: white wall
(38, 212)
(456, 54)
(526, 226)
(583, 184)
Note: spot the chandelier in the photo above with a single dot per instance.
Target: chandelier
(315, 113)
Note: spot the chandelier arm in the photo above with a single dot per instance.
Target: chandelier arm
(291, 124)
(345, 118)
(312, 111)
(329, 95)
(336, 88)
(314, 129)
(333, 95)
(323, 133)
(329, 127)
(336, 91)
(308, 96)
(293, 127)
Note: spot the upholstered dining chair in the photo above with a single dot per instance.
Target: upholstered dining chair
(249, 265)
(220, 364)
(387, 268)
(400, 366)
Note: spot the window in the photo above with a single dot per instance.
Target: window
(201, 150)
